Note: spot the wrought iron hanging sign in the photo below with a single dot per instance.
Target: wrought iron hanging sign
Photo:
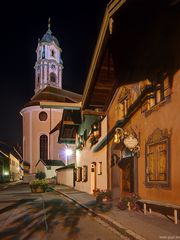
(129, 140)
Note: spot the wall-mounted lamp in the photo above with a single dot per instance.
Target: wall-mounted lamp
(119, 135)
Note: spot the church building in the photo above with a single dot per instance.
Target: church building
(41, 125)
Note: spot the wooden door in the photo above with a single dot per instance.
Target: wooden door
(127, 175)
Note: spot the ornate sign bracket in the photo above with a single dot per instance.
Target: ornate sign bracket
(128, 139)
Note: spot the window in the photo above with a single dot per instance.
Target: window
(157, 159)
(79, 174)
(38, 79)
(159, 93)
(48, 167)
(53, 77)
(43, 53)
(123, 103)
(39, 54)
(42, 116)
(43, 147)
(123, 106)
(84, 173)
(99, 168)
(52, 53)
(95, 133)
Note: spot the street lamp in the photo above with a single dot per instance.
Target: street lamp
(68, 152)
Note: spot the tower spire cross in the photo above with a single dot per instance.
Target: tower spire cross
(49, 23)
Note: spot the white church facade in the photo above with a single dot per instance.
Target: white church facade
(41, 125)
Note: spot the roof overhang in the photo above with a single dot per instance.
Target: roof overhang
(138, 40)
(60, 105)
(101, 81)
(70, 122)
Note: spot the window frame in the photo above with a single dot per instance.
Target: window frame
(43, 150)
(43, 116)
(84, 173)
(53, 77)
(99, 168)
(158, 183)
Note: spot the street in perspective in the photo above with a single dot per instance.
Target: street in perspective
(65, 213)
(90, 127)
(24, 215)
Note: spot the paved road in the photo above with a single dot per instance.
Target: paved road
(46, 216)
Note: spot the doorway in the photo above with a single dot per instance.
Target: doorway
(93, 176)
(127, 176)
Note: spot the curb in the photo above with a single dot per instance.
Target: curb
(113, 224)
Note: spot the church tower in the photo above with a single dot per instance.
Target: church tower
(41, 125)
(49, 65)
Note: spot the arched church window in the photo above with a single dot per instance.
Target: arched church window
(44, 147)
(43, 53)
(53, 77)
(43, 116)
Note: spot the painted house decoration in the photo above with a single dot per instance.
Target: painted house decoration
(41, 124)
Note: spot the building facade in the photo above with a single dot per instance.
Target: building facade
(10, 163)
(41, 125)
(134, 82)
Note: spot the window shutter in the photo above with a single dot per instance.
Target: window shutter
(84, 173)
(79, 174)
(99, 168)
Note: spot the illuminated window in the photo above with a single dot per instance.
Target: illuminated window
(42, 116)
(160, 92)
(43, 147)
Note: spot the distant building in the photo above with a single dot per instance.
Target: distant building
(49, 167)
(41, 125)
(10, 163)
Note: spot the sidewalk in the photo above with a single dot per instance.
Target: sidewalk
(134, 224)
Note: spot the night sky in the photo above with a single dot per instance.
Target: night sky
(76, 25)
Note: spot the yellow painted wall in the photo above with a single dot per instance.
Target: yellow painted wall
(167, 116)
